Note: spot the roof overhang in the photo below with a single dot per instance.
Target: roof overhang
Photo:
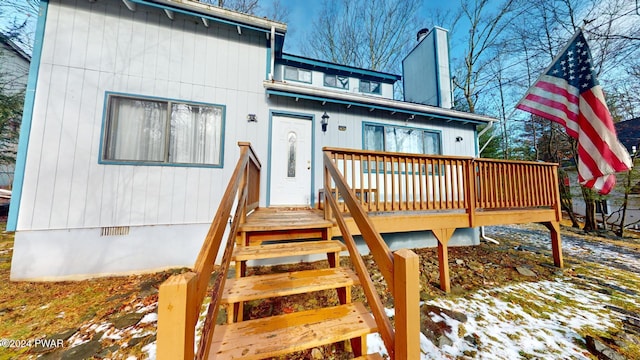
(372, 103)
(218, 14)
(314, 63)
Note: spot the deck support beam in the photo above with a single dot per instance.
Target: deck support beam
(443, 236)
(556, 243)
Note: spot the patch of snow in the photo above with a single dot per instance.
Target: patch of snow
(150, 349)
(522, 320)
(113, 334)
(140, 308)
(149, 318)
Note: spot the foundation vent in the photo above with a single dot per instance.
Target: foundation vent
(114, 231)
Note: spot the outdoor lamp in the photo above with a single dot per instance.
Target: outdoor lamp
(325, 121)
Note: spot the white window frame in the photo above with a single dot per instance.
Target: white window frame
(169, 135)
(298, 77)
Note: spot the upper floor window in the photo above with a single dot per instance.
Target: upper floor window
(156, 131)
(371, 87)
(336, 81)
(401, 139)
(296, 74)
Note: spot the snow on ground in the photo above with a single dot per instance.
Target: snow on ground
(529, 320)
(572, 245)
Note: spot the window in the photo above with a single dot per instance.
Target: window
(142, 130)
(401, 139)
(336, 81)
(291, 73)
(291, 154)
(371, 87)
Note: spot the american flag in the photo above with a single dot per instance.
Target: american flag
(569, 93)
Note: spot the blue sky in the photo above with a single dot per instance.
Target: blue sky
(302, 12)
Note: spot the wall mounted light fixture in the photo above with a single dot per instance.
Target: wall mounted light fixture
(458, 138)
(325, 121)
(252, 118)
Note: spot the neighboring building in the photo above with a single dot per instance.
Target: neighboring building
(629, 134)
(14, 71)
(129, 135)
(14, 67)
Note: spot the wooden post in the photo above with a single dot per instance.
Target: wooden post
(470, 193)
(443, 236)
(406, 270)
(177, 317)
(556, 243)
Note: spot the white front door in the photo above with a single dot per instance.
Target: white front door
(290, 161)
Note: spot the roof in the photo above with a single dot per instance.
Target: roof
(629, 133)
(15, 48)
(215, 13)
(371, 102)
(305, 62)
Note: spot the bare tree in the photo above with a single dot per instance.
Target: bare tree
(244, 6)
(486, 28)
(372, 34)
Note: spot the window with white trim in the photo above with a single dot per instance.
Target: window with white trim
(157, 131)
(401, 139)
(336, 81)
(297, 74)
(370, 87)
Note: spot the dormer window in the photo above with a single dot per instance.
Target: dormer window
(370, 87)
(336, 81)
(296, 74)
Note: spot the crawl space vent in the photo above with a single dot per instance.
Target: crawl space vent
(114, 231)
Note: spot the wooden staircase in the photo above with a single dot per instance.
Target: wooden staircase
(282, 334)
(258, 234)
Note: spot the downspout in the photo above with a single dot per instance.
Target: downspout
(488, 141)
(273, 52)
(482, 234)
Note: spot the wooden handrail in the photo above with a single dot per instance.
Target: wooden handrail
(400, 270)
(375, 303)
(181, 296)
(379, 249)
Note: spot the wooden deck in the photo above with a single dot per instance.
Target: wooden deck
(369, 193)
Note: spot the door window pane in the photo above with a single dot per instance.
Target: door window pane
(291, 154)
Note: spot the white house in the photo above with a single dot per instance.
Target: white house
(133, 113)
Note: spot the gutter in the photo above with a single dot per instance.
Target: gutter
(216, 13)
(374, 101)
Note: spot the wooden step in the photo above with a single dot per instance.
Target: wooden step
(243, 253)
(375, 356)
(283, 284)
(283, 334)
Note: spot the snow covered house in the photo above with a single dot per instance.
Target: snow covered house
(134, 110)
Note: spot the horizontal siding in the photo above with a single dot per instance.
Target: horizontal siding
(94, 47)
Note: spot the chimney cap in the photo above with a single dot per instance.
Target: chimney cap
(422, 33)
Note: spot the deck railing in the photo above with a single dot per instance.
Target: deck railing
(384, 181)
(400, 269)
(181, 296)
